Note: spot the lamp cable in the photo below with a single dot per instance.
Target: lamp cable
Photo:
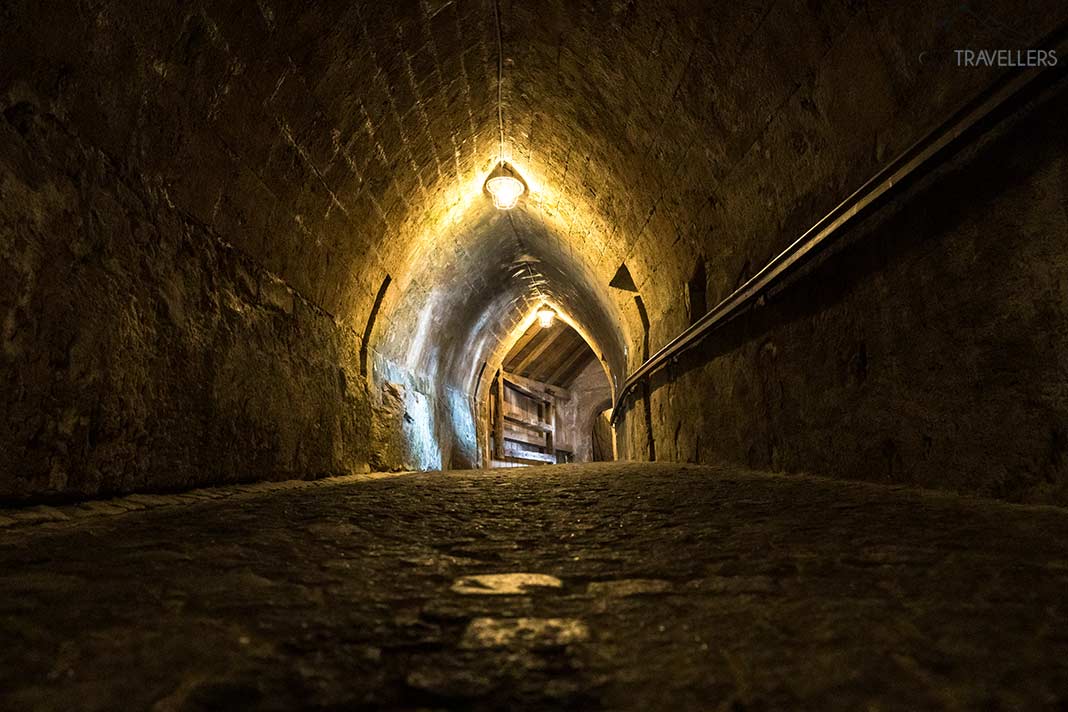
(500, 80)
(533, 281)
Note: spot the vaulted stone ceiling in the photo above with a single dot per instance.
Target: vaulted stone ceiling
(340, 142)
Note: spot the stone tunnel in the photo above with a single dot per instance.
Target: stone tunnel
(753, 396)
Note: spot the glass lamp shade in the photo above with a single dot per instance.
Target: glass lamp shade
(504, 187)
(545, 317)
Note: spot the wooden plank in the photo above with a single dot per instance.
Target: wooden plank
(522, 342)
(520, 437)
(578, 368)
(549, 389)
(563, 347)
(572, 362)
(539, 457)
(540, 427)
(549, 435)
(550, 338)
(541, 397)
(485, 431)
(509, 462)
(498, 423)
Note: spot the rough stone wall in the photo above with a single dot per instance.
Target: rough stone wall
(404, 423)
(590, 394)
(336, 143)
(931, 351)
(677, 132)
(141, 352)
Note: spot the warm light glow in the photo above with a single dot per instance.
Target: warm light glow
(505, 191)
(545, 317)
(504, 186)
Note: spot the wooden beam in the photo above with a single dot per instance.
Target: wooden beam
(551, 366)
(520, 423)
(498, 416)
(549, 389)
(550, 435)
(563, 354)
(539, 349)
(531, 457)
(522, 341)
(577, 368)
(518, 388)
(516, 436)
(571, 360)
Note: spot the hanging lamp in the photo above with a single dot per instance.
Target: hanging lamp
(546, 316)
(503, 183)
(505, 186)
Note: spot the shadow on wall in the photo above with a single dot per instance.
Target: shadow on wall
(924, 351)
(600, 429)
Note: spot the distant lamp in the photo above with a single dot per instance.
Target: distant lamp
(505, 186)
(546, 316)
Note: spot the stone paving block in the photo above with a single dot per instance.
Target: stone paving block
(683, 588)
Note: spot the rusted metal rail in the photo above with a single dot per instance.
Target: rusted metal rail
(908, 165)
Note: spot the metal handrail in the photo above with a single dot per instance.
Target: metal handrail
(820, 234)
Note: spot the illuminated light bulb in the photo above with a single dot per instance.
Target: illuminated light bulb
(505, 191)
(504, 186)
(545, 317)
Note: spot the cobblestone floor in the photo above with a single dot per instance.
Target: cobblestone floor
(577, 587)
